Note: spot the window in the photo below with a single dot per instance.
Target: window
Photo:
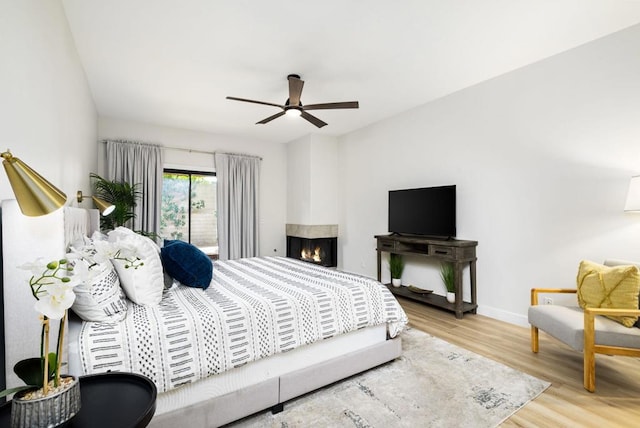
(189, 209)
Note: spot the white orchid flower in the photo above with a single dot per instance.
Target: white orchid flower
(105, 251)
(121, 250)
(126, 248)
(57, 298)
(81, 273)
(36, 267)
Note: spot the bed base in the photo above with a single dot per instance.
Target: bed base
(274, 393)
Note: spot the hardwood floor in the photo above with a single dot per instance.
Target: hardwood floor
(615, 403)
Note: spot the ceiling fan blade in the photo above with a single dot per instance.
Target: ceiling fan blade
(255, 102)
(295, 90)
(317, 122)
(270, 118)
(327, 106)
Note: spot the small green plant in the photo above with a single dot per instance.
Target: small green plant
(446, 273)
(396, 265)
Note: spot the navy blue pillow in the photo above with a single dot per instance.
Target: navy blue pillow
(186, 263)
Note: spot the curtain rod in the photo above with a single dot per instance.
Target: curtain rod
(238, 154)
(199, 151)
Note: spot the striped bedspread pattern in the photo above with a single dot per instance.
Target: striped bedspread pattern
(254, 308)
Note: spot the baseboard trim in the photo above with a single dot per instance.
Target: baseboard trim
(502, 315)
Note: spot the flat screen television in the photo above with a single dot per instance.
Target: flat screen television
(427, 211)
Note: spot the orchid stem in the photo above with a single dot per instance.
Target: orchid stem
(59, 354)
(45, 372)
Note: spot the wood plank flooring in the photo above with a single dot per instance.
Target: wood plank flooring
(615, 403)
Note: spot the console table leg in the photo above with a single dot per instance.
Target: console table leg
(458, 284)
(472, 277)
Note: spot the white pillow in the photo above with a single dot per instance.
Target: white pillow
(100, 298)
(145, 284)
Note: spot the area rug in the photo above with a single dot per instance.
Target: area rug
(433, 384)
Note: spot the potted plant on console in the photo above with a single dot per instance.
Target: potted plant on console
(447, 275)
(396, 267)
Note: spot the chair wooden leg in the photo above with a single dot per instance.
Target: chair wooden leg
(589, 353)
(589, 372)
(534, 329)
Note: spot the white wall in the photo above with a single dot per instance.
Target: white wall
(273, 179)
(541, 157)
(312, 166)
(47, 115)
(47, 119)
(299, 181)
(324, 180)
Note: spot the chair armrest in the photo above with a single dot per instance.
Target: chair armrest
(612, 312)
(536, 291)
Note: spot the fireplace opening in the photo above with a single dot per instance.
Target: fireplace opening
(320, 251)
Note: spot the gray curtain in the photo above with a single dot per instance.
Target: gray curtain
(141, 164)
(238, 193)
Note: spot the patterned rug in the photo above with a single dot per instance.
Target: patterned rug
(433, 384)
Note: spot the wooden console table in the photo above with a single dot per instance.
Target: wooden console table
(454, 251)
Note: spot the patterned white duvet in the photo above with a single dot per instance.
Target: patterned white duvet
(254, 308)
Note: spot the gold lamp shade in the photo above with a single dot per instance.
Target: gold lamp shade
(35, 195)
(103, 206)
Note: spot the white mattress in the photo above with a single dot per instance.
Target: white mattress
(252, 373)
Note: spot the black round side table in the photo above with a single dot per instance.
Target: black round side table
(109, 400)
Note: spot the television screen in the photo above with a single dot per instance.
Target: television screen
(429, 211)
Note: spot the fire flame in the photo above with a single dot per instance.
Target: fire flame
(308, 255)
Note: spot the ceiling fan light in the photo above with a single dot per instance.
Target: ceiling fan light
(293, 112)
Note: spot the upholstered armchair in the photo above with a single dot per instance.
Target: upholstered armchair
(588, 330)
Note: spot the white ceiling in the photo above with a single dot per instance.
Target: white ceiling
(173, 62)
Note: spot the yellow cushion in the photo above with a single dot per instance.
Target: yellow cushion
(614, 287)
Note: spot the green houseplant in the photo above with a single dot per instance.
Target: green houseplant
(448, 278)
(396, 267)
(121, 194)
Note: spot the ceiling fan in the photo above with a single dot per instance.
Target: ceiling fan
(293, 105)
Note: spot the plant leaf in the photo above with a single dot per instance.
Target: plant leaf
(53, 360)
(16, 389)
(30, 371)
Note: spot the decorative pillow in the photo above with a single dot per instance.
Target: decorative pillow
(100, 298)
(145, 284)
(187, 263)
(614, 287)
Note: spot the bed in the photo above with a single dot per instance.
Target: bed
(343, 329)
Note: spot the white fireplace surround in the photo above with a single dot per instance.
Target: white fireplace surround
(312, 231)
